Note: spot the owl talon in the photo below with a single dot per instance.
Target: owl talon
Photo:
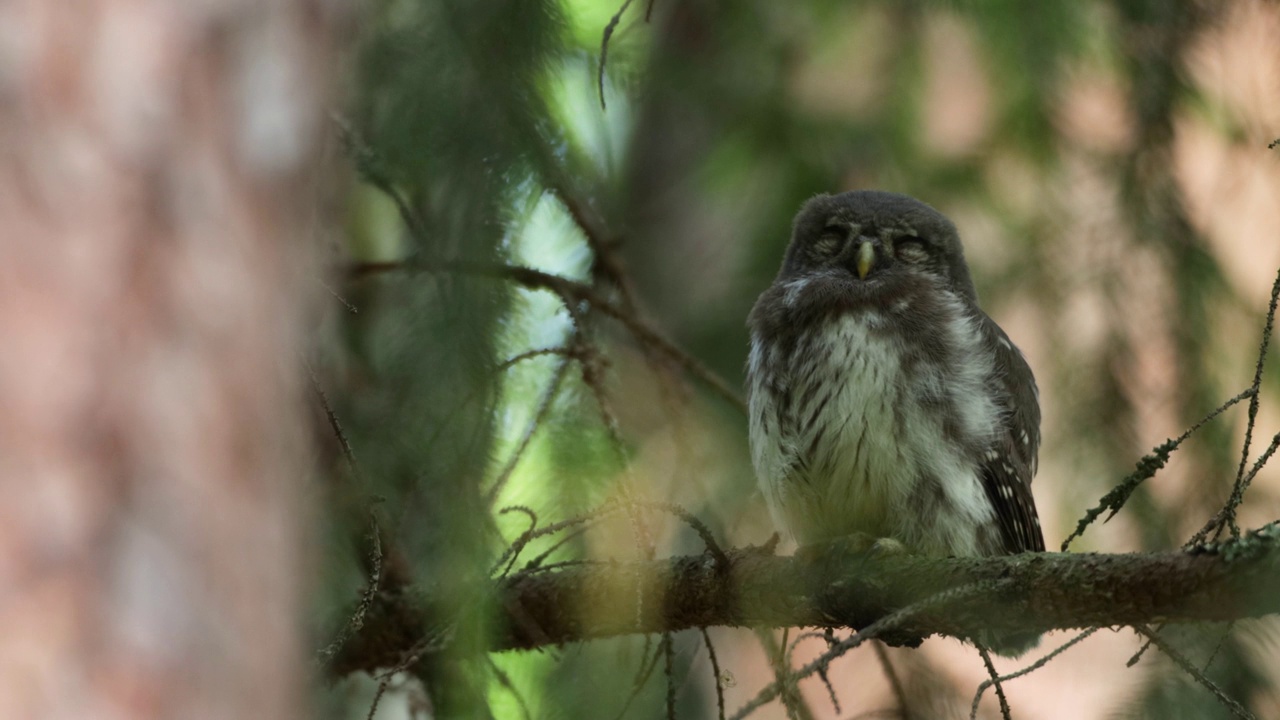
(768, 549)
(858, 543)
(887, 547)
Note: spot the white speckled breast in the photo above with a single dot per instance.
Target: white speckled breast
(858, 438)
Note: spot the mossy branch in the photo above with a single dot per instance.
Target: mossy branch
(831, 585)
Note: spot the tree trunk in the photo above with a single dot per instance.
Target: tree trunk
(154, 280)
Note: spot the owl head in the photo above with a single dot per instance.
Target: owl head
(876, 238)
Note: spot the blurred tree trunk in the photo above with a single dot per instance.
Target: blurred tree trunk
(154, 271)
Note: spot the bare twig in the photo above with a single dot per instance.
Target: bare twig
(562, 350)
(895, 683)
(888, 622)
(536, 564)
(668, 654)
(412, 656)
(336, 296)
(715, 671)
(370, 167)
(1181, 661)
(982, 688)
(534, 533)
(604, 47)
(505, 681)
(539, 415)
(603, 246)
(827, 637)
(355, 621)
(826, 682)
(1227, 515)
(995, 680)
(334, 424)
(570, 291)
(721, 558)
(1147, 467)
(794, 704)
(513, 550)
(642, 678)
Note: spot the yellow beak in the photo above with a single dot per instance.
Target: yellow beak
(866, 258)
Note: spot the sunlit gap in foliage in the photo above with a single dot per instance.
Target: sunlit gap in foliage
(542, 235)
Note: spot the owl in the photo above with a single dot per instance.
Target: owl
(883, 400)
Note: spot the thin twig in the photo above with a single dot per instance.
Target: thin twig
(1226, 515)
(715, 671)
(792, 701)
(895, 683)
(513, 550)
(642, 678)
(355, 621)
(539, 415)
(831, 690)
(1181, 661)
(606, 260)
(1147, 467)
(888, 622)
(535, 565)
(995, 680)
(345, 303)
(669, 661)
(604, 47)
(709, 541)
(369, 166)
(347, 453)
(505, 681)
(827, 637)
(562, 350)
(570, 290)
(532, 534)
(982, 688)
(427, 644)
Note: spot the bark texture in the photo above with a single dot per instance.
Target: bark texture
(831, 585)
(154, 275)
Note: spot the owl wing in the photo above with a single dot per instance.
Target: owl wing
(1008, 466)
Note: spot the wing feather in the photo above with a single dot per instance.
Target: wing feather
(1009, 465)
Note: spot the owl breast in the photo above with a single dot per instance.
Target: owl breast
(859, 427)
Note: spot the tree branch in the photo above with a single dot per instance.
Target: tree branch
(569, 291)
(831, 585)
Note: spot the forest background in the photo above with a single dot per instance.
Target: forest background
(359, 309)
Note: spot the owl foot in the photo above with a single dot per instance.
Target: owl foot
(887, 547)
(858, 543)
(768, 549)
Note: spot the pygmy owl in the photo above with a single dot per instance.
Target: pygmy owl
(883, 400)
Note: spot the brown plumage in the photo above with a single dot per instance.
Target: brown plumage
(883, 400)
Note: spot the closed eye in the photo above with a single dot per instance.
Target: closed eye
(910, 249)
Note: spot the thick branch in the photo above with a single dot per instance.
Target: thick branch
(833, 586)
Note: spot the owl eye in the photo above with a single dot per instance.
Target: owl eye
(826, 245)
(910, 249)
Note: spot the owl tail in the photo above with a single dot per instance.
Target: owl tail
(1009, 645)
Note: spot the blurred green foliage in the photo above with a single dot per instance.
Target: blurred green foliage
(483, 116)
